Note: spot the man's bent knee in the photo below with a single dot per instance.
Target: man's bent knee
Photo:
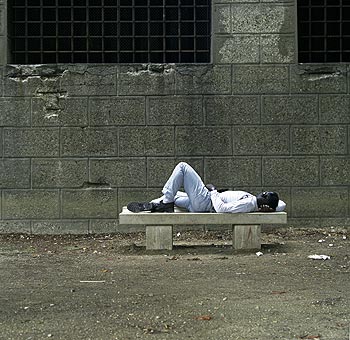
(182, 164)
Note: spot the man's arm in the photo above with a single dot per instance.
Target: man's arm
(243, 205)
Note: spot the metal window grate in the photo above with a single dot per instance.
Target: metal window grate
(323, 31)
(110, 31)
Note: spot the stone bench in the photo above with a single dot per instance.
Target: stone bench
(159, 226)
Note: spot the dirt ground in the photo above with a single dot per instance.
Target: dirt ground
(110, 287)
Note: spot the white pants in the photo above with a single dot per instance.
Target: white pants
(196, 197)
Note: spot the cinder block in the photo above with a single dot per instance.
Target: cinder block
(319, 140)
(222, 22)
(89, 203)
(175, 111)
(59, 173)
(207, 79)
(203, 141)
(146, 141)
(117, 111)
(319, 202)
(2, 20)
(3, 57)
(60, 227)
(238, 49)
(334, 109)
(229, 173)
(1, 143)
(240, 1)
(232, 110)
(263, 18)
(104, 226)
(15, 173)
(278, 48)
(87, 80)
(318, 79)
(286, 171)
(21, 142)
(89, 142)
(335, 171)
(130, 228)
(291, 2)
(260, 79)
(57, 110)
(289, 109)
(300, 222)
(30, 204)
(14, 227)
(342, 222)
(146, 79)
(119, 172)
(261, 140)
(14, 111)
(160, 169)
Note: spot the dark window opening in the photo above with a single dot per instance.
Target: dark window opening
(323, 31)
(110, 31)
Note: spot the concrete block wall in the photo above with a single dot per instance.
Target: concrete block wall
(77, 142)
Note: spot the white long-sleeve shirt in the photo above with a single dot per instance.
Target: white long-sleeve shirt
(237, 202)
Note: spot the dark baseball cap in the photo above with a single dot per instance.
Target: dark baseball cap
(270, 198)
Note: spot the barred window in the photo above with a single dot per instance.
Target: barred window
(323, 31)
(110, 31)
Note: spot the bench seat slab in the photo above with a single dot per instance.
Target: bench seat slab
(188, 218)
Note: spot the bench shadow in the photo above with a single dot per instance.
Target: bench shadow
(274, 248)
(204, 249)
(214, 249)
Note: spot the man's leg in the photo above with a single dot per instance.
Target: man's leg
(185, 176)
(197, 196)
(181, 200)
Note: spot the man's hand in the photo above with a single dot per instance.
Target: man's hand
(265, 208)
(210, 187)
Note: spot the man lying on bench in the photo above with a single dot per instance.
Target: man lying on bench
(199, 197)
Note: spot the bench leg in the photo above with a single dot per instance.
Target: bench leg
(159, 237)
(246, 237)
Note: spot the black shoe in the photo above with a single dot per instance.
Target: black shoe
(140, 206)
(163, 207)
